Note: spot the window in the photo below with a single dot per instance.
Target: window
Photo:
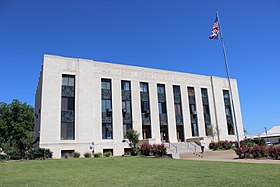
(67, 108)
(145, 110)
(206, 112)
(143, 87)
(176, 90)
(178, 113)
(229, 117)
(126, 106)
(106, 104)
(106, 108)
(162, 108)
(178, 110)
(126, 85)
(193, 113)
(106, 84)
(67, 153)
(160, 89)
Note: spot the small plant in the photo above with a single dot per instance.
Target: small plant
(97, 155)
(133, 138)
(107, 154)
(77, 155)
(87, 154)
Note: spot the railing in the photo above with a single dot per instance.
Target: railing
(172, 145)
(189, 143)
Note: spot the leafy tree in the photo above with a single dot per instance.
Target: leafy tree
(133, 137)
(16, 126)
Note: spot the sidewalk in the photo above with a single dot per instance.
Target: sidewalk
(224, 156)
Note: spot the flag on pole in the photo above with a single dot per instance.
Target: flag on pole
(215, 30)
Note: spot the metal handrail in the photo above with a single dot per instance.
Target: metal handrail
(173, 146)
(190, 143)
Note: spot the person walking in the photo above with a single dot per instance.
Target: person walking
(202, 145)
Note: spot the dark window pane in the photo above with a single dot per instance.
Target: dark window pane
(106, 84)
(143, 87)
(126, 85)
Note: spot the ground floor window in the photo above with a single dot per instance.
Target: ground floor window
(108, 151)
(67, 153)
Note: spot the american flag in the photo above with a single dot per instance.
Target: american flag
(215, 30)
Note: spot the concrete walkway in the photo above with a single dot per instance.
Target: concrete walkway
(224, 156)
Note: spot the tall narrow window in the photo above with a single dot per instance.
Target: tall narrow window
(126, 106)
(67, 131)
(145, 110)
(229, 118)
(162, 112)
(206, 112)
(106, 109)
(193, 113)
(178, 113)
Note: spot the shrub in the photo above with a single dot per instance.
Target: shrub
(135, 151)
(221, 145)
(213, 145)
(97, 155)
(243, 152)
(146, 149)
(4, 157)
(259, 151)
(14, 154)
(38, 153)
(77, 155)
(87, 154)
(274, 152)
(156, 150)
(227, 145)
(107, 154)
(160, 150)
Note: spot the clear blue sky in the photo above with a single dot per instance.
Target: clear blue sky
(170, 35)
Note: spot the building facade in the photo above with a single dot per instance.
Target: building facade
(83, 105)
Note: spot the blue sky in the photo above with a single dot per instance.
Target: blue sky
(170, 35)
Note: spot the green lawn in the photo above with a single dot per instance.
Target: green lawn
(136, 171)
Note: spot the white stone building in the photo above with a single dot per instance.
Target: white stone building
(83, 102)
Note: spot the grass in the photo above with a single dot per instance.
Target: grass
(136, 171)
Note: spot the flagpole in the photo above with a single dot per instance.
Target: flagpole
(228, 77)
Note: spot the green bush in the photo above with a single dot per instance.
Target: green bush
(87, 154)
(38, 153)
(107, 154)
(97, 155)
(4, 157)
(221, 145)
(77, 155)
(135, 151)
(14, 154)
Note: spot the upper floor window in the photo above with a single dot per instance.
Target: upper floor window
(143, 87)
(160, 89)
(126, 85)
(106, 84)
(68, 80)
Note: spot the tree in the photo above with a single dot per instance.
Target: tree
(16, 126)
(133, 138)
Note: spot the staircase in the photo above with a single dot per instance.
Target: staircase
(183, 149)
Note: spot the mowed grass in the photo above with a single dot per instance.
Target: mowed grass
(136, 171)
